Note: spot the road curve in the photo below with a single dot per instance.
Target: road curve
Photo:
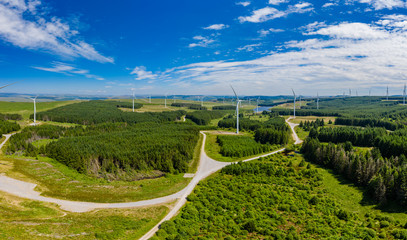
(206, 167)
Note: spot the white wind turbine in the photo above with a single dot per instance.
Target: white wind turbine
(165, 102)
(294, 100)
(404, 95)
(387, 93)
(133, 97)
(317, 101)
(149, 99)
(35, 109)
(257, 111)
(237, 110)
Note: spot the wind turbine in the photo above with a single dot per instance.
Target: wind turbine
(317, 101)
(165, 103)
(174, 98)
(387, 93)
(35, 109)
(237, 110)
(294, 100)
(357, 95)
(257, 111)
(404, 95)
(133, 97)
(149, 99)
(202, 97)
(300, 101)
(350, 92)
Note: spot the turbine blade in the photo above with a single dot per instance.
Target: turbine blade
(7, 85)
(234, 92)
(293, 91)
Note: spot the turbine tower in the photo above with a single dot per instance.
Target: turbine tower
(165, 103)
(350, 92)
(237, 110)
(404, 95)
(35, 109)
(202, 97)
(387, 93)
(149, 99)
(300, 101)
(257, 111)
(133, 97)
(294, 100)
(317, 101)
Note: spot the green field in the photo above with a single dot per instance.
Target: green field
(27, 108)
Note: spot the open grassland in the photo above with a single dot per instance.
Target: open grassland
(26, 219)
(26, 108)
(57, 180)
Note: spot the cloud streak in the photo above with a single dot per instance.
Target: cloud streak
(22, 26)
(67, 69)
(269, 13)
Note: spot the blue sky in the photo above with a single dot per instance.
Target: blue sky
(201, 47)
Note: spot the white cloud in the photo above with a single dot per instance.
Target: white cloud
(277, 2)
(268, 13)
(216, 27)
(266, 32)
(69, 70)
(141, 73)
(382, 4)
(202, 42)
(353, 31)
(244, 4)
(22, 26)
(330, 4)
(249, 48)
(357, 54)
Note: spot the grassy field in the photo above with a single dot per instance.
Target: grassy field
(212, 148)
(42, 142)
(27, 108)
(57, 180)
(25, 219)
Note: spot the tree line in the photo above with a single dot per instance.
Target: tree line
(383, 178)
(10, 116)
(193, 106)
(206, 116)
(94, 112)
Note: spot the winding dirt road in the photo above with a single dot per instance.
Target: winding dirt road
(207, 166)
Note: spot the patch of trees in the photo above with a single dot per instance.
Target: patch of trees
(114, 147)
(383, 178)
(307, 125)
(272, 136)
(368, 122)
(94, 112)
(193, 106)
(10, 116)
(205, 117)
(270, 199)
(389, 144)
(8, 127)
(224, 107)
(240, 146)
(305, 112)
